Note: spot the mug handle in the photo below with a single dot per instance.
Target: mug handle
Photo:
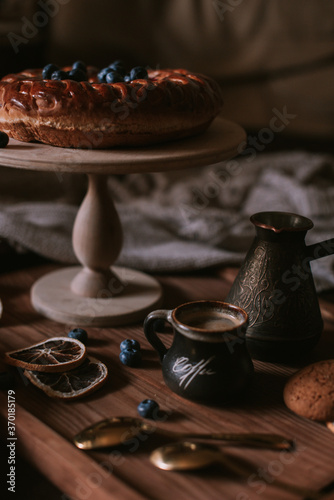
(150, 333)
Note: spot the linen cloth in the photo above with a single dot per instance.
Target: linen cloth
(190, 219)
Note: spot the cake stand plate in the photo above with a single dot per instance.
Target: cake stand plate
(99, 294)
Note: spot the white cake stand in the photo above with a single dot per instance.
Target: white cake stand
(97, 294)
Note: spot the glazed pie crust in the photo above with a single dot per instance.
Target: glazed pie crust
(169, 105)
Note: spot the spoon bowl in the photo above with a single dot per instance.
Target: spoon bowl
(183, 455)
(186, 455)
(109, 432)
(118, 430)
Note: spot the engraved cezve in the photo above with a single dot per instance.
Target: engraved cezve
(263, 293)
(253, 287)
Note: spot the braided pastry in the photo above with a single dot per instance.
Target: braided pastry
(168, 105)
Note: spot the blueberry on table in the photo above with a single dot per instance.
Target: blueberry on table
(138, 72)
(129, 344)
(48, 70)
(113, 77)
(78, 75)
(148, 408)
(7, 381)
(130, 357)
(59, 75)
(79, 334)
(127, 78)
(3, 139)
(79, 65)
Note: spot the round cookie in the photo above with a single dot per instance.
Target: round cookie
(310, 391)
(330, 426)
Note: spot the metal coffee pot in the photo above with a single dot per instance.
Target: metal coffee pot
(276, 288)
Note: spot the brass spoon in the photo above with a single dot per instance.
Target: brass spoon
(186, 455)
(118, 430)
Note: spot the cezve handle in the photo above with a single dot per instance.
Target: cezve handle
(321, 249)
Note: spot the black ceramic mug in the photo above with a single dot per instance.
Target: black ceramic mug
(208, 360)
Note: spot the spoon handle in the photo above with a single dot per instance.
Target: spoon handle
(273, 441)
(248, 471)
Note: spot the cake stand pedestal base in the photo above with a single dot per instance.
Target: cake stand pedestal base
(52, 296)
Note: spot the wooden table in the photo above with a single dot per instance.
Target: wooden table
(44, 427)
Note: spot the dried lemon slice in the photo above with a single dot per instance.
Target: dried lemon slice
(85, 379)
(57, 354)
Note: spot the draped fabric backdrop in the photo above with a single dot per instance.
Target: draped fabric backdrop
(189, 219)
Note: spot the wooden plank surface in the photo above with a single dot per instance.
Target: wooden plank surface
(45, 426)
